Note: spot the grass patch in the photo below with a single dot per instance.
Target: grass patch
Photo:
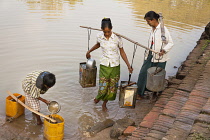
(205, 45)
(198, 136)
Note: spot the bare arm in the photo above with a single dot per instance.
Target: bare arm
(124, 57)
(43, 100)
(96, 46)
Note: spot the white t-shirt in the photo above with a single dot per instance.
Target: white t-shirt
(110, 49)
(155, 36)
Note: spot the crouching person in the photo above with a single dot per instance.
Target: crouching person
(36, 83)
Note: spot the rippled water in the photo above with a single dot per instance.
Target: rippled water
(45, 35)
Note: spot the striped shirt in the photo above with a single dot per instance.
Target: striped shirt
(29, 84)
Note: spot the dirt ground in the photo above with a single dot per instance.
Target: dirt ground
(142, 108)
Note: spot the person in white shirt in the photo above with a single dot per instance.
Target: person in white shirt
(155, 42)
(109, 73)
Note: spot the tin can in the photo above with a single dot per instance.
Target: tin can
(87, 76)
(127, 97)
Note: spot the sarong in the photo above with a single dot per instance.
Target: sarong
(32, 102)
(142, 79)
(108, 82)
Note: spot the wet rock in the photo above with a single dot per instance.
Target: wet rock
(206, 34)
(99, 126)
(182, 72)
(85, 122)
(116, 131)
(120, 126)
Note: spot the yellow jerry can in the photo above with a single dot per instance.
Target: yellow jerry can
(13, 108)
(54, 131)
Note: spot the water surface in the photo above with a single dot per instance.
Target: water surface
(45, 35)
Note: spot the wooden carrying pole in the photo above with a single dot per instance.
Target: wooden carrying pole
(16, 99)
(124, 38)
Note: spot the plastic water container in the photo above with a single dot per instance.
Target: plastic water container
(13, 108)
(54, 131)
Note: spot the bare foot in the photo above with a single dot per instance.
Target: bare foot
(96, 101)
(104, 108)
(138, 97)
(38, 119)
(39, 122)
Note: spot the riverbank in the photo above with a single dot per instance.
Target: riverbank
(182, 110)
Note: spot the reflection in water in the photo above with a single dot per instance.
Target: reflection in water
(185, 13)
(53, 8)
(29, 42)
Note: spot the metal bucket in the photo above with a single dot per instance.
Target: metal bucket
(91, 63)
(155, 82)
(127, 98)
(87, 76)
(54, 107)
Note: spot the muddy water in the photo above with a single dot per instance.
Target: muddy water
(45, 35)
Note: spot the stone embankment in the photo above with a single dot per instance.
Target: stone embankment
(182, 111)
